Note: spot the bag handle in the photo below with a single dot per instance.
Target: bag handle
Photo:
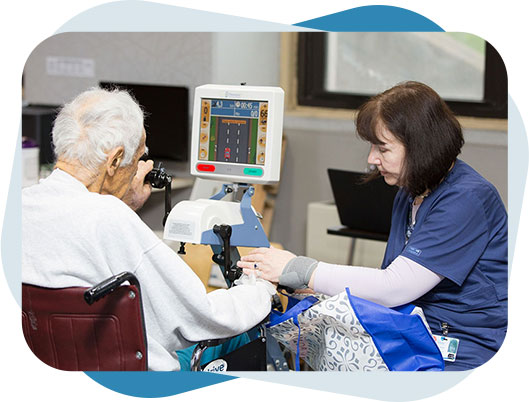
(297, 309)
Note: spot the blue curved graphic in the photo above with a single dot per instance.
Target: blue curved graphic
(373, 19)
(155, 384)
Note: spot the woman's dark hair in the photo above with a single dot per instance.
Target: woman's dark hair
(417, 116)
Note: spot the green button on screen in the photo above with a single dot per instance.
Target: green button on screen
(253, 171)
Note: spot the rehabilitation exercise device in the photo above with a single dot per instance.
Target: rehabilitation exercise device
(236, 138)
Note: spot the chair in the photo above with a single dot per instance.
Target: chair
(80, 329)
(102, 329)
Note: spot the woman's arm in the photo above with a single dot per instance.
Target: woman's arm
(403, 281)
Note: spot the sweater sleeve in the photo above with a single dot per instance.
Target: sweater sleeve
(181, 312)
(403, 281)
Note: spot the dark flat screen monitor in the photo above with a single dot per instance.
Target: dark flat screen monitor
(362, 206)
(37, 124)
(166, 118)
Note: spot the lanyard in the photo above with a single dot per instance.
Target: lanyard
(411, 224)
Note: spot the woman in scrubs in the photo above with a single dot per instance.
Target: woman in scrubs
(447, 248)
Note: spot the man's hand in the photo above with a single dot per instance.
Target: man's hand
(139, 191)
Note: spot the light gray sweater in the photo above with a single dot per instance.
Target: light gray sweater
(73, 237)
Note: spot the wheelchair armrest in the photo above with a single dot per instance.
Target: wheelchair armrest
(203, 345)
(212, 342)
(109, 285)
(201, 348)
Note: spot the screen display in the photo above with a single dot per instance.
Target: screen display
(233, 131)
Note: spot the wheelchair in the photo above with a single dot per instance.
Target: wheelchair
(102, 328)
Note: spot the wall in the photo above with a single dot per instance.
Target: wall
(251, 57)
(154, 58)
(174, 58)
(230, 58)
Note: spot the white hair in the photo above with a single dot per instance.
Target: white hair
(95, 122)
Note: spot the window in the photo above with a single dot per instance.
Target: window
(342, 70)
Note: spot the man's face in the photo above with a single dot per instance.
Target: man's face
(120, 182)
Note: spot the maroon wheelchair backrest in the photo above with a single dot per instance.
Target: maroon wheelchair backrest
(65, 332)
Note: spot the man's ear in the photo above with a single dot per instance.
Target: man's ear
(114, 159)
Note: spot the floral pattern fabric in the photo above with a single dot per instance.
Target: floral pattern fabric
(332, 338)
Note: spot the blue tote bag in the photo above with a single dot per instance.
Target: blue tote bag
(346, 333)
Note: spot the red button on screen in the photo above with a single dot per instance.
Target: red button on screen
(205, 168)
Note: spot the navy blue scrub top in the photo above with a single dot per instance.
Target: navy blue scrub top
(461, 234)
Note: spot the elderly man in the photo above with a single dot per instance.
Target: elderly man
(79, 228)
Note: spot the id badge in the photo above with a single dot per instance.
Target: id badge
(448, 347)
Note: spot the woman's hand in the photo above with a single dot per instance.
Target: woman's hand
(266, 263)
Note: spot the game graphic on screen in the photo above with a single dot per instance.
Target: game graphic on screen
(233, 131)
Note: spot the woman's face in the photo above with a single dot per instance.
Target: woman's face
(388, 157)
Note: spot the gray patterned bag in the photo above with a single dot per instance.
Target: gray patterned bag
(327, 334)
